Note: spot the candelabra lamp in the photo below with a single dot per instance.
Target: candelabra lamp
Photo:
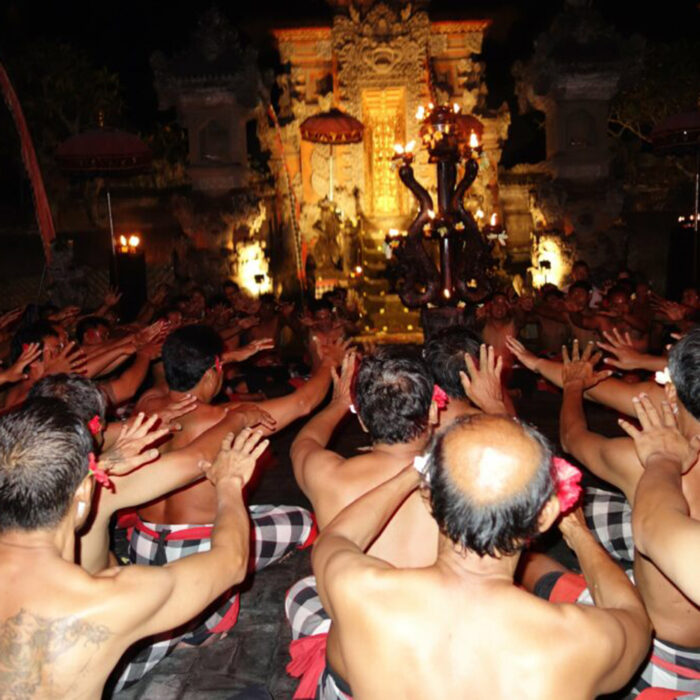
(465, 262)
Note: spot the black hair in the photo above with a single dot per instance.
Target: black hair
(582, 284)
(684, 367)
(393, 391)
(44, 450)
(488, 529)
(34, 333)
(618, 289)
(216, 299)
(87, 324)
(188, 353)
(83, 396)
(444, 355)
(581, 263)
(319, 305)
(231, 284)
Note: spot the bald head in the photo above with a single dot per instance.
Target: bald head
(490, 477)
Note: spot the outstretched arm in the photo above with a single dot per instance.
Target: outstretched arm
(308, 450)
(663, 529)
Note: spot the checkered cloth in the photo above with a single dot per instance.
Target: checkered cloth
(306, 615)
(275, 532)
(609, 517)
(670, 666)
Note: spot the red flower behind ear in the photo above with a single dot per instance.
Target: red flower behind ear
(99, 474)
(94, 425)
(568, 479)
(440, 397)
(218, 365)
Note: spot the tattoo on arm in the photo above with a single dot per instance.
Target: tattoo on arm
(30, 644)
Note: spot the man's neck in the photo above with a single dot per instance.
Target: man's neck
(456, 562)
(55, 543)
(198, 393)
(399, 450)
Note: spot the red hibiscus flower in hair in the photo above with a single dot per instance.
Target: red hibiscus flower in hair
(94, 425)
(568, 480)
(218, 365)
(99, 474)
(440, 397)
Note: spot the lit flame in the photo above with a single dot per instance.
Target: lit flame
(252, 268)
(473, 140)
(398, 149)
(122, 240)
(431, 214)
(493, 219)
(420, 113)
(134, 241)
(479, 214)
(358, 269)
(446, 293)
(431, 106)
(410, 146)
(548, 263)
(456, 108)
(393, 232)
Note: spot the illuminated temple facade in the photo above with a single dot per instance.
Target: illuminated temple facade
(378, 63)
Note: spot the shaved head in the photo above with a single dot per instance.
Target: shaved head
(490, 476)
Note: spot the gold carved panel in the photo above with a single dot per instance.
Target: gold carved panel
(384, 117)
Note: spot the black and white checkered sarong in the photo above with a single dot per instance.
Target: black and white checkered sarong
(609, 517)
(275, 532)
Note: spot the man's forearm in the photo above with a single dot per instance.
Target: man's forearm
(658, 501)
(131, 379)
(572, 418)
(231, 533)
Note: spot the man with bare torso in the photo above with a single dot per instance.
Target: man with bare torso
(179, 524)
(62, 629)
(458, 627)
(675, 663)
(393, 399)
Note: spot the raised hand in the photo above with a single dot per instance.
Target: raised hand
(621, 347)
(10, 317)
(332, 352)
(524, 356)
(254, 347)
(70, 359)
(579, 368)
(155, 333)
(126, 454)
(660, 437)
(248, 322)
(177, 409)
(254, 415)
(483, 383)
(342, 383)
(16, 371)
(112, 297)
(236, 458)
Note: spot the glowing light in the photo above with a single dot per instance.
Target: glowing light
(431, 214)
(393, 232)
(456, 108)
(473, 140)
(134, 241)
(122, 241)
(398, 149)
(548, 262)
(493, 219)
(446, 293)
(431, 106)
(420, 113)
(410, 146)
(479, 214)
(358, 269)
(252, 268)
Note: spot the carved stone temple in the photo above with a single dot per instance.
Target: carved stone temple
(377, 62)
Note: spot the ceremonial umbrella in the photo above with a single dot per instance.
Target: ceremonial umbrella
(679, 134)
(332, 127)
(104, 152)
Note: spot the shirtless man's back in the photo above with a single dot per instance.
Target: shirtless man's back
(459, 627)
(61, 629)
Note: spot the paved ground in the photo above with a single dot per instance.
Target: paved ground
(255, 655)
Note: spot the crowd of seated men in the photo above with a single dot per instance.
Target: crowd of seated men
(127, 451)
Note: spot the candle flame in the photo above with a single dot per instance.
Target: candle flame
(456, 108)
(398, 149)
(431, 214)
(134, 241)
(122, 240)
(473, 140)
(446, 293)
(420, 113)
(479, 214)
(493, 219)
(410, 146)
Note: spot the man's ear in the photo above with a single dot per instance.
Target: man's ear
(433, 414)
(82, 500)
(549, 513)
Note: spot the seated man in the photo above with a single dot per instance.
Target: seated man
(450, 356)
(676, 620)
(62, 628)
(179, 524)
(459, 627)
(393, 398)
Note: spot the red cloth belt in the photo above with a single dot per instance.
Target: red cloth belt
(308, 661)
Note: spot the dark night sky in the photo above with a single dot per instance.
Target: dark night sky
(122, 34)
